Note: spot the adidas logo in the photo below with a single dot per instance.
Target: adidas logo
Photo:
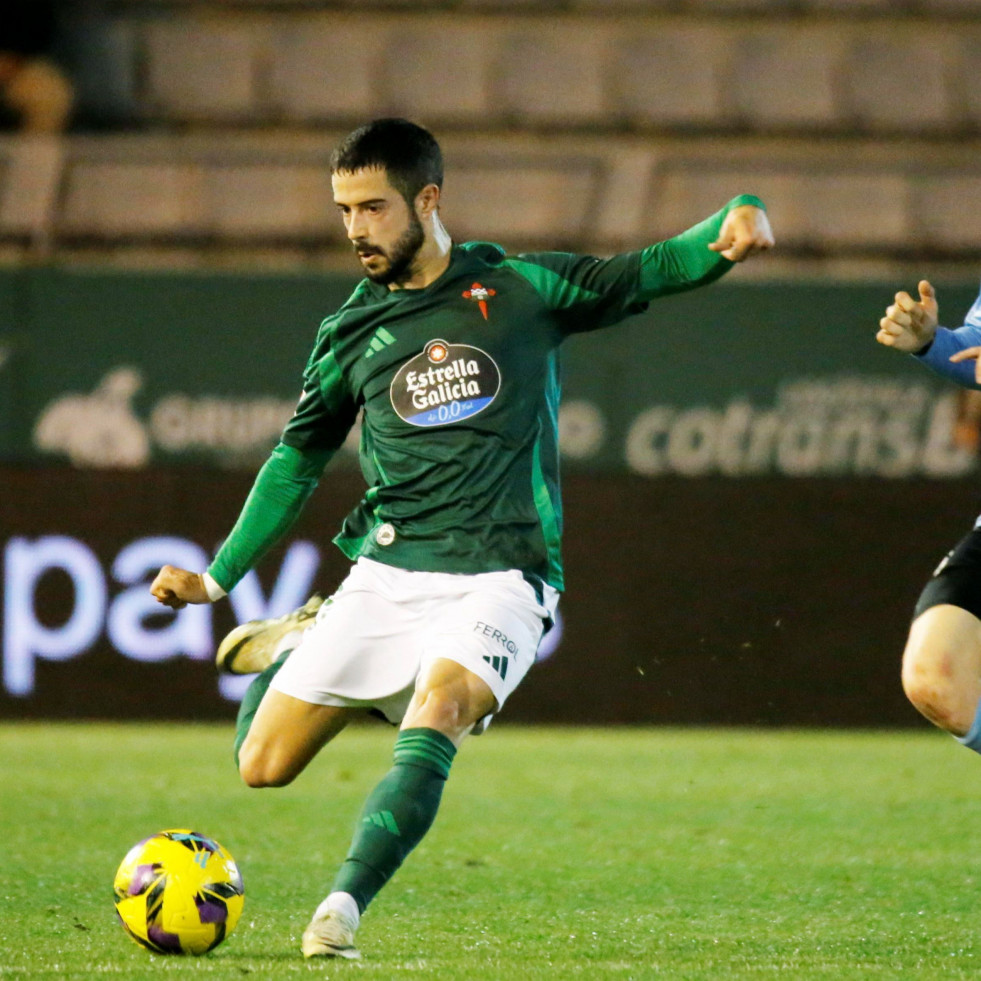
(384, 820)
(499, 664)
(379, 342)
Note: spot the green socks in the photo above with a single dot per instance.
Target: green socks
(397, 813)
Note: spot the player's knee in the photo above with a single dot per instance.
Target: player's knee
(928, 678)
(444, 710)
(258, 769)
(450, 699)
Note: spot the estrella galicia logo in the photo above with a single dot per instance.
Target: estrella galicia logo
(444, 384)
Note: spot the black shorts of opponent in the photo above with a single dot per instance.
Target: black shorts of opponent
(957, 580)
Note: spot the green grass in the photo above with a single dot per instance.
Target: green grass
(559, 853)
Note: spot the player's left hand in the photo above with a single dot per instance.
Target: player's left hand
(177, 587)
(970, 354)
(745, 232)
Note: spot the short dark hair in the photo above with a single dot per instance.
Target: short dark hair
(408, 153)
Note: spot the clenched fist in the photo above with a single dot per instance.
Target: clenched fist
(177, 587)
(744, 232)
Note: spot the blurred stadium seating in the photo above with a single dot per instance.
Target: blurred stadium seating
(587, 124)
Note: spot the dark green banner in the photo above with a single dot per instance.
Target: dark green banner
(125, 370)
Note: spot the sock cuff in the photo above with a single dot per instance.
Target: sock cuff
(427, 748)
(343, 903)
(972, 738)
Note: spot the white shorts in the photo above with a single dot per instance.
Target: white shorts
(372, 638)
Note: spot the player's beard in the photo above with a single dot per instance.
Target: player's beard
(400, 257)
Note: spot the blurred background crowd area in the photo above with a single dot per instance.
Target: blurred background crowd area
(196, 134)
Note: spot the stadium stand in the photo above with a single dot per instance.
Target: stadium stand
(203, 71)
(587, 124)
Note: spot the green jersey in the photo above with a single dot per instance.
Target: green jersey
(458, 389)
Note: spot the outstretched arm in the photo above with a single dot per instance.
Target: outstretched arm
(323, 417)
(588, 293)
(911, 325)
(706, 251)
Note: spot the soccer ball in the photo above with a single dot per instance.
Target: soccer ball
(178, 892)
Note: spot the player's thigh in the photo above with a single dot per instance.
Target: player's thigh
(449, 698)
(286, 734)
(363, 648)
(478, 648)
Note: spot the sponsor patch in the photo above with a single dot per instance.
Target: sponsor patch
(445, 383)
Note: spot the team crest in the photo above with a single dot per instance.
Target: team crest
(479, 295)
(445, 383)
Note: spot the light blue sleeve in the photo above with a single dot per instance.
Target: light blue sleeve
(948, 342)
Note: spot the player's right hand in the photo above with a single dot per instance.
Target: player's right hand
(177, 587)
(909, 325)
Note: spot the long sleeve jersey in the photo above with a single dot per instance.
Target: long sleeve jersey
(458, 388)
(947, 342)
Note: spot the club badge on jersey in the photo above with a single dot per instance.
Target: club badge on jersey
(479, 295)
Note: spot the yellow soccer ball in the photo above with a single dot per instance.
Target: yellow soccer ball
(178, 892)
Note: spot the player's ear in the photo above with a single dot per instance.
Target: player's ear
(427, 201)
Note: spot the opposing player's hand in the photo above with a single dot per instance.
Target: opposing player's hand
(909, 325)
(177, 587)
(970, 354)
(745, 232)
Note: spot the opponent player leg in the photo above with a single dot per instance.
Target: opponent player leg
(942, 670)
(942, 660)
(448, 701)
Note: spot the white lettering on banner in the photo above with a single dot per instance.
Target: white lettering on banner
(582, 429)
(187, 633)
(102, 429)
(826, 427)
(179, 423)
(24, 636)
(291, 589)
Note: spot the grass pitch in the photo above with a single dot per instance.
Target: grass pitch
(558, 853)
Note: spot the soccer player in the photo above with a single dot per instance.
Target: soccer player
(450, 352)
(942, 661)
